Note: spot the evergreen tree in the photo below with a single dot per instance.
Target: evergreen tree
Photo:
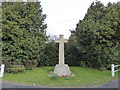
(72, 55)
(23, 31)
(50, 57)
(97, 37)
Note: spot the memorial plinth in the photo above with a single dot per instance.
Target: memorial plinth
(62, 70)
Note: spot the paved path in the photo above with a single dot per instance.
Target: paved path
(14, 85)
(112, 84)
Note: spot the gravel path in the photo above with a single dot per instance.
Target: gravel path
(4, 84)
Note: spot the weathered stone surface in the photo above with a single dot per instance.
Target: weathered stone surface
(62, 70)
(61, 42)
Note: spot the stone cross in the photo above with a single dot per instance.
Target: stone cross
(61, 42)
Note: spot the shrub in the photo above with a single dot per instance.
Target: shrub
(29, 64)
(54, 76)
(15, 69)
(9, 64)
(67, 78)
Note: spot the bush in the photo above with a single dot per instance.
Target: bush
(54, 76)
(29, 64)
(15, 69)
(9, 64)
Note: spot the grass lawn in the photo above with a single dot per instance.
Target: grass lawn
(39, 76)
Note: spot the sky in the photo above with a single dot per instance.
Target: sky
(63, 15)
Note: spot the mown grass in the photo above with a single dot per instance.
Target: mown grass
(85, 77)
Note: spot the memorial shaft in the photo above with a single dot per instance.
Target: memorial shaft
(61, 53)
(61, 42)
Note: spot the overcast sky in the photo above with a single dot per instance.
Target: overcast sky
(63, 15)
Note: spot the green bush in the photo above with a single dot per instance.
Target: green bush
(67, 78)
(9, 63)
(29, 64)
(7, 70)
(15, 69)
(54, 76)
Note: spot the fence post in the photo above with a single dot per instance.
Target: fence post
(112, 70)
(2, 70)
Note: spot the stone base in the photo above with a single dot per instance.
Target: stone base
(62, 70)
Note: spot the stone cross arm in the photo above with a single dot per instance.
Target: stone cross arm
(65, 41)
(58, 41)
(61, 40)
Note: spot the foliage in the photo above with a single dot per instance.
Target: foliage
(54, 76)
(67, 78)
(8, 65)
(29, 64)
(15, 69)
(72, 55)
(50, 57)
(97, 36)
(23, 29)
